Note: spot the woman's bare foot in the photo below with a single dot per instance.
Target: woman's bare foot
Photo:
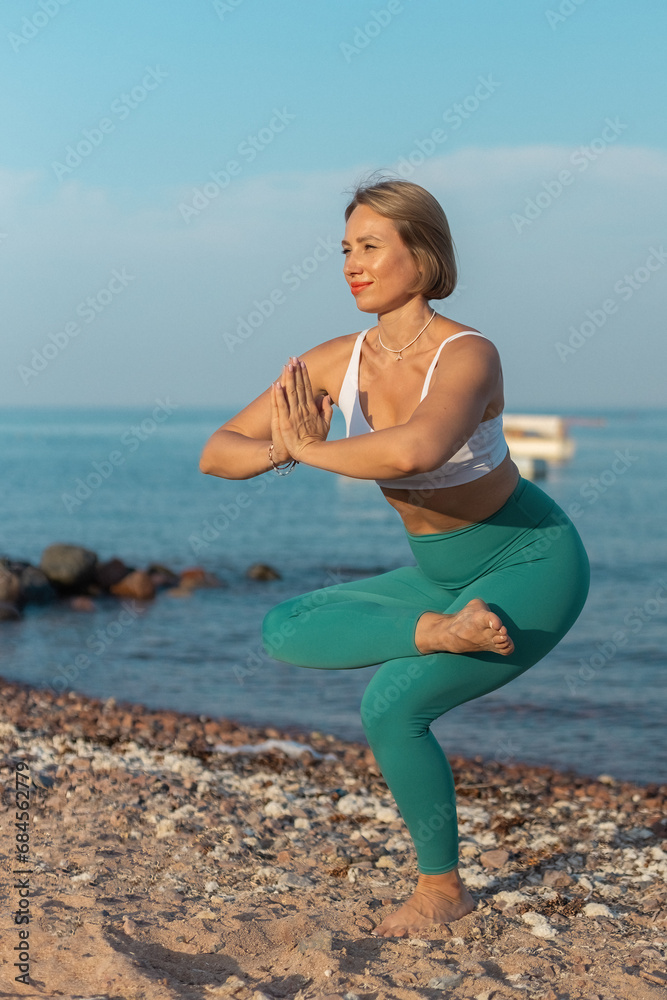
(438, 899)
(473, 629)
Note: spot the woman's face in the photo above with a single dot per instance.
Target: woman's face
(379, 268)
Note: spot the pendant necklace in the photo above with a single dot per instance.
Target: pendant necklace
(399, 352)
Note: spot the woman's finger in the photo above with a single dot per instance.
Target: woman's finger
(307, 387)
(289, 381)
(304, 399)
(275, 417)
(281, 402)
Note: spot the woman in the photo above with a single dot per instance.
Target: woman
(501, 572)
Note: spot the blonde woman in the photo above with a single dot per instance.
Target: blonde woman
(501, 572)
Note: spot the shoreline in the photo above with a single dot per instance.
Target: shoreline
(126, 719)
(164, 864)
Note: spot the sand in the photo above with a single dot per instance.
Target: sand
(170, 855)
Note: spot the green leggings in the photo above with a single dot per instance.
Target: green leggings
(526, 561)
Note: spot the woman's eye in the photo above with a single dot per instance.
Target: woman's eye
(345, 251)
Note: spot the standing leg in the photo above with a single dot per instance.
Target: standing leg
(538, 611)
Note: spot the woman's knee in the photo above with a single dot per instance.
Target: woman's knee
(384, 706)
(283, 620)
(277, 627)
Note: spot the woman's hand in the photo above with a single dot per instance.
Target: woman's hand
(280, 450)
(298, 418)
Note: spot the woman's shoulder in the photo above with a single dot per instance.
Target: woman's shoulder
(467, 338)
(327, 362)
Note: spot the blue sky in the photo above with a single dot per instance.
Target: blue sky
(168, 171)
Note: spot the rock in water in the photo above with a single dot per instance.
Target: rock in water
(162, 576)
(194, 577)
(137, 584)
(111, 572)
(35, 586)
(10, 585)
(68, 567)
(260, 571)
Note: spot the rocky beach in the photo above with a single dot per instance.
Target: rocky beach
(151, 854)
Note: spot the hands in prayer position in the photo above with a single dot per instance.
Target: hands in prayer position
(297, 417)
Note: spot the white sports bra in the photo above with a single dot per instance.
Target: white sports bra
(481, 453)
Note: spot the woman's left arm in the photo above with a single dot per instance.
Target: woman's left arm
(447, 417)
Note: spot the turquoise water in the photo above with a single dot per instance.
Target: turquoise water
(126, 484)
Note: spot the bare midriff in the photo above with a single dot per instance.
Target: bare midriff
(434, 511)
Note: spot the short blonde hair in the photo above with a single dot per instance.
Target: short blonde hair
(421, 224)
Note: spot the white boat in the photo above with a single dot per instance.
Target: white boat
(538, 436)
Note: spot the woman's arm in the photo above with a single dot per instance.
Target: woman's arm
(239, 448)
(462, 386)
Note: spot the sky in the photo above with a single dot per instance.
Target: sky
(173, 178)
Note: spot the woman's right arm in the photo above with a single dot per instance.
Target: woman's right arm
(239, 449)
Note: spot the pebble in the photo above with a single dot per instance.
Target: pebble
(494, 859)
(556, 877)
(364, 923)
(445, 982)
(539, 925)
(290, 880)
(596, 910)
(321, 940)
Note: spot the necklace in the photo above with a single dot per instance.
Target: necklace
(399, 352)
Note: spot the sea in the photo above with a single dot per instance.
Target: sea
(125, 482)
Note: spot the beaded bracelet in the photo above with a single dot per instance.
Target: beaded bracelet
(282, 468)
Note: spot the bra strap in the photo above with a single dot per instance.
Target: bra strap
(427, 380)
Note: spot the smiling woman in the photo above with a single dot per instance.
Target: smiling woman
(501, 572)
